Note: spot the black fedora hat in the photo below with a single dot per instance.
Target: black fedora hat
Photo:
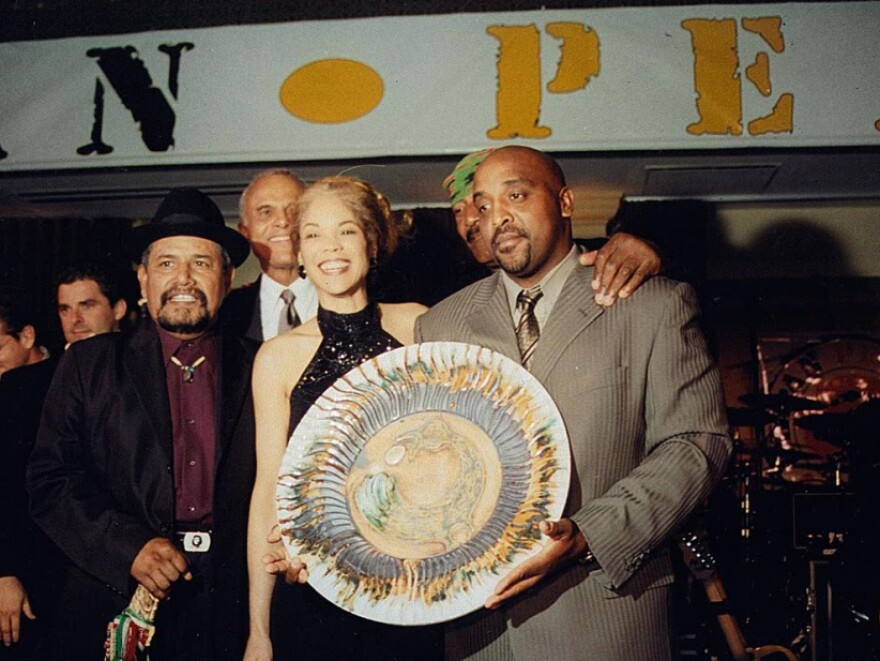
(189, 212)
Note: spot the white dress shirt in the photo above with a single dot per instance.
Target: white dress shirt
(551, 287)
(305, 303)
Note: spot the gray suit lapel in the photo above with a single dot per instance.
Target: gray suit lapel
(573, 312)
(490, 322)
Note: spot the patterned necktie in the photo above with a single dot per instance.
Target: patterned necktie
(288, 318)
(527, 331)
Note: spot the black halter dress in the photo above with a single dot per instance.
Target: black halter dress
(305, 626)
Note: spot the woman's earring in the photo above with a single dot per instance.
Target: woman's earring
(302, 271)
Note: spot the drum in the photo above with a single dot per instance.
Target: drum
(815, 446)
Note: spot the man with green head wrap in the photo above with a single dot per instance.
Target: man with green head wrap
(621, 265)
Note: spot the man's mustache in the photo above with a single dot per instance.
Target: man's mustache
(507, 230)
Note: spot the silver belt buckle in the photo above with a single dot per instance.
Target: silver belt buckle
(197, 542)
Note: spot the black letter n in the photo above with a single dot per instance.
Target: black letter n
(132, 83)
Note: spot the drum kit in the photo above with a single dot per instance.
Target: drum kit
(782, 457)
(804, 480)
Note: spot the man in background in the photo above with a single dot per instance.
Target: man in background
(279, 299)
(26, 560)
(90, 301)
(18, 336)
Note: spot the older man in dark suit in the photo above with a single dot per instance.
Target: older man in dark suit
(279, 299)
(144, 460)
(641, 401)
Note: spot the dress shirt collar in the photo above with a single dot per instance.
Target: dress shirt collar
(551, 286)
(305, 302)
(208, 344)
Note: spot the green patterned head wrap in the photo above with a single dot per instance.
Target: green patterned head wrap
(460, 183)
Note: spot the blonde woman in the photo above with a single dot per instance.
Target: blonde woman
(342, 226)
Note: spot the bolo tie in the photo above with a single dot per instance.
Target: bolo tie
(188, 370)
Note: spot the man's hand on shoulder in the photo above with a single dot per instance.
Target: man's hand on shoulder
(621, 266)
(13, 602)
(159, 564)
(566, 544)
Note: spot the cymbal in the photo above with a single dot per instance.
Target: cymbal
(791, 456)
(782, 402)
(743, 417)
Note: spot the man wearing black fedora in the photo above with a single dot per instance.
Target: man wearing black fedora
(144, 461)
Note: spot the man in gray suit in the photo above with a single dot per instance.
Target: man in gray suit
(641, 400)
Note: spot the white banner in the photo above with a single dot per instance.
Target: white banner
(697, 77)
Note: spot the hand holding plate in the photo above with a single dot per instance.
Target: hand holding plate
(278, 562)
(566, 543)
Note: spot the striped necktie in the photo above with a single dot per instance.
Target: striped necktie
(527, 330)
(288, 318)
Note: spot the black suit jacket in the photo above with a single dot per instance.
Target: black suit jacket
(101, 481)
(24, 550)
(240, 313)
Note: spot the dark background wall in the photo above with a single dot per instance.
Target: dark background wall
(50, 19)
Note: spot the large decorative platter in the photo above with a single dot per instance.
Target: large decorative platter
(417, 481)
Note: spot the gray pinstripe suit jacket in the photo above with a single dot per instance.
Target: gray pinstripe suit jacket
(642, 403)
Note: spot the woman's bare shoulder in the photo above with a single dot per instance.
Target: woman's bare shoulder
(403, 310)
(309, 329)
(399, 319)
(290, 352)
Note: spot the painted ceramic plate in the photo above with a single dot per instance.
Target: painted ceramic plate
(417, 481)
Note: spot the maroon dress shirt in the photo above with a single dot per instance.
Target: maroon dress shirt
(193, 402)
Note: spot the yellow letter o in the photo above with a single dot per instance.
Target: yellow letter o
(332, 91)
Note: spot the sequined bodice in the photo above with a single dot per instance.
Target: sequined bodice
(349, 340)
